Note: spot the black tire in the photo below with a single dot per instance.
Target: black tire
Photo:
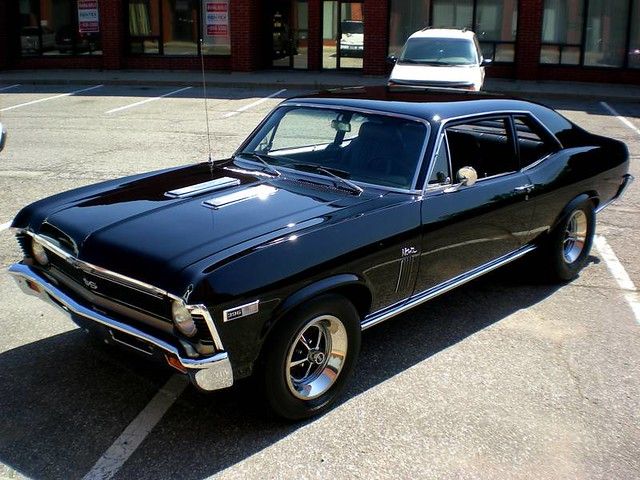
(286, 397)
(565, 259)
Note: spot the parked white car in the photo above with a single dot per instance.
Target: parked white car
(440, 57)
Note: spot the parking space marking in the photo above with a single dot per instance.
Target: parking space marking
(130, 439)
(20, 105)
(254, 104)
(620, 117)
(2, 89)
(142, 102)
(4, 226)
(620, 274)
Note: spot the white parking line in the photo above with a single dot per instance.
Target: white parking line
(620, 117)
(251, 105)
(148, 100)
(132, 436)
(50, 98)
(620, 274)
(4, 226)
(9, 87)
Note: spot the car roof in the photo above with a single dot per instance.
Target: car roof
(443, 33)
(431, 104)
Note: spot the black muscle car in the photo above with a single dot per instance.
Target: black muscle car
(341, 210)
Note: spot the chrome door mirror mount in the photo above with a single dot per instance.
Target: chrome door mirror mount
(467, 177)
(3, 136)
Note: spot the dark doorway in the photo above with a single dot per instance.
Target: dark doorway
(290, 33)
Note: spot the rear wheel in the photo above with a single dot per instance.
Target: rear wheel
(310, 356)
(570, 243)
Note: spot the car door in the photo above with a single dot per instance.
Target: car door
(466, 227)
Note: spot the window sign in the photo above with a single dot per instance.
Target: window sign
(88, 21)
(216, 27)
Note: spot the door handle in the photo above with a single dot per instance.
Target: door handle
(524, 189)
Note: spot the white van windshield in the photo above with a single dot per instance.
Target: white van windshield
(439, 51)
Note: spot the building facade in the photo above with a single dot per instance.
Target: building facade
(589, 40)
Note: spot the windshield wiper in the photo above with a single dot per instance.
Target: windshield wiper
(261, 158)
(330, 172)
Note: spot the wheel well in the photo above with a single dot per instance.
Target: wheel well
(359, 295)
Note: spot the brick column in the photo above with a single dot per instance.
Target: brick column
(530, 13)
(4, 35)
(112, 26)
(246, 25)
(376, 36)
(315, 35)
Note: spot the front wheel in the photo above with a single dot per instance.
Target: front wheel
(570, 243)
(310, 356)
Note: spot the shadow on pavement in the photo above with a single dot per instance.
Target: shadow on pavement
(64, 401)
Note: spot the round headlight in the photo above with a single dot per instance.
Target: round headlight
(39, 253)
(182, 319)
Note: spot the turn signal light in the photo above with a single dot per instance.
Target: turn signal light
(173, 361)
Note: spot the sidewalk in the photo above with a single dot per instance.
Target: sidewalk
(302, 80)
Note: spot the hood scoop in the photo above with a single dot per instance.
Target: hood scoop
(260, 191)
(198, 188)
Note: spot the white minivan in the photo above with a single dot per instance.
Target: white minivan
(440, 57)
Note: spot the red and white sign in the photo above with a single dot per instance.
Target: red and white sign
(88, 20)
(217, 19)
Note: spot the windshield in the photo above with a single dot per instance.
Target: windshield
(352, 27)
(439, 51)
(356, 146)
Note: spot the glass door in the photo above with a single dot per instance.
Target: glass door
(290, 26)
(342, 34)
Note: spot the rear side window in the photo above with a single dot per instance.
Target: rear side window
(531, 144)
(486, 145)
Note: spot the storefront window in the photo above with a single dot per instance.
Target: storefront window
(59, 27)
(406, 17)
(495, 22)
(634, 42)
(174, 27)
(605, 35)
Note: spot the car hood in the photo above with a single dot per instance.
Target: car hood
(137, 230)
(437, 75)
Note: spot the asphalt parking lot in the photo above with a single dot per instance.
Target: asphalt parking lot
(502, 378)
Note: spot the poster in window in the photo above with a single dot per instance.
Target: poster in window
(88, 20)
(216, 26)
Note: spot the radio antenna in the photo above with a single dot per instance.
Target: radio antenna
(204, 94)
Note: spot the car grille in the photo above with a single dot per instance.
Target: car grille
(108, 288)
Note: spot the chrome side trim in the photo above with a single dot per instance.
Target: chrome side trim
(127, 281)
(628, 180)
(217, 184)
(210, 373)
(235, 197)
(415, 300)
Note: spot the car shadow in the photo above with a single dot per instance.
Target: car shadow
(65, 400)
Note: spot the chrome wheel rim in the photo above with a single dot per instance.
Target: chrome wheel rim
(316, 357)
(575, 236)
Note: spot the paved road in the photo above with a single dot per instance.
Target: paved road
(503, 378)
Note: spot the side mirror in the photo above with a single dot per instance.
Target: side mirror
(3, 137)
(392, 59)
(486, 62)
(467, 176)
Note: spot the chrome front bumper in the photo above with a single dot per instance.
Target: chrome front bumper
(209, 373)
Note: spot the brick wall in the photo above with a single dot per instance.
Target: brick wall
(247, 24)
(315, 35)
(529, 38)
(376, 36)
(4, 37)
